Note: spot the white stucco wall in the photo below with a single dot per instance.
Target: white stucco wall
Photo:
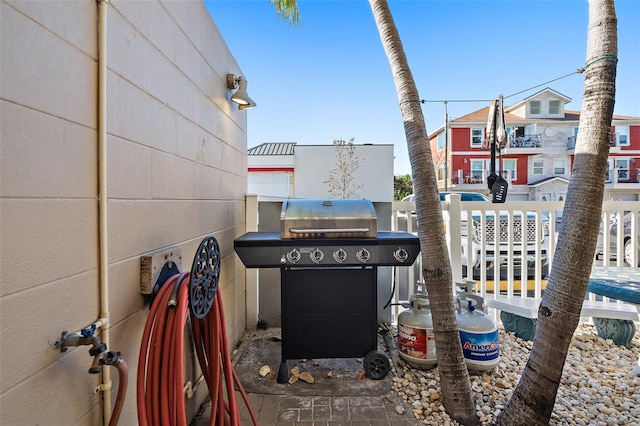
(274, 176)
(270, 184)
(176, 173)
(315, 163)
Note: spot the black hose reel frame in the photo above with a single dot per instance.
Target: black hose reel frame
(205, 273)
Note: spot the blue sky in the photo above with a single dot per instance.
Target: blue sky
(329, 78)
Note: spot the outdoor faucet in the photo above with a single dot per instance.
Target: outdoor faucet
(86, 337)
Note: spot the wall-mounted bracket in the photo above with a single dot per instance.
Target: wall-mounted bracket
(152, 263)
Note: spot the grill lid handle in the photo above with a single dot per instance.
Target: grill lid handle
(326, 230)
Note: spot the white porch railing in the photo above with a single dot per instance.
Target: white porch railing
(530, 247)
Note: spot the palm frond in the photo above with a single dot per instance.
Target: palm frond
(287, 10)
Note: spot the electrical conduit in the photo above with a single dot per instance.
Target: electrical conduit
(105, 387)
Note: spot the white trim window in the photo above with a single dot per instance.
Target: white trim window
(559, 166)
(477, 136)
(622, 164)
(622, 135)
(535, 108)
(440, 141)
(510, 168)
(442, 167)
(537, 167)
(554, 107)
(477, 170)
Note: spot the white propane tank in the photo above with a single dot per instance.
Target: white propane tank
(478, 335)
(416, 341)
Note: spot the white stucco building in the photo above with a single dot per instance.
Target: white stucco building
(283, 170)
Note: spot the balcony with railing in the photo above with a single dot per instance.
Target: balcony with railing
(527, 141)
(527, 144)
(616, 141)
(621, 177)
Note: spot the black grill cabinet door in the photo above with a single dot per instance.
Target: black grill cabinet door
(329, 313)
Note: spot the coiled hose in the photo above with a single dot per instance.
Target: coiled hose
(160, 378)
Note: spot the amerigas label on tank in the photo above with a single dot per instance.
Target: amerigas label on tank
(480, 346)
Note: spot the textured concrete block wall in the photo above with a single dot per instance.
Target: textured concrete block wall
(176, 173)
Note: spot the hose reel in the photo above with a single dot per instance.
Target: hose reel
(188, 300)
(205, 273)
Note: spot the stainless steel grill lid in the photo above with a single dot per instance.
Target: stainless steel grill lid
(317, 218)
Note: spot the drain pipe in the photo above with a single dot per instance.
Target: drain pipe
(105, 386)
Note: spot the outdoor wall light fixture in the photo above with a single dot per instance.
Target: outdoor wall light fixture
(240, 97)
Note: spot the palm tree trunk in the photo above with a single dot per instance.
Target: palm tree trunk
(559, 313)
(457, 396)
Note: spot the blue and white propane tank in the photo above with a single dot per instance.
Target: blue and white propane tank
(478, 333)
(416, 340)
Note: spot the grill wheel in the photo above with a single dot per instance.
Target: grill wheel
(376, 365)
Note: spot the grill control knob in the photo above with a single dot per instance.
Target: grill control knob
(363, 255)
(293, 256)
(400, 255)
(317, 256)
(340, 255)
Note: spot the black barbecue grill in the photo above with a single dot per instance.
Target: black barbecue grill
(328, 252)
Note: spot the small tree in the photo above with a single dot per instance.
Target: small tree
(402, 186)
(341, 179)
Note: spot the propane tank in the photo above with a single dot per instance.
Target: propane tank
(478, 333)
(416, 341)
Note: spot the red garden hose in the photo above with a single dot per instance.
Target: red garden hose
(160, 379)
(115, 360)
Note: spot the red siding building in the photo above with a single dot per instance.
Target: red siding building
(538, 157)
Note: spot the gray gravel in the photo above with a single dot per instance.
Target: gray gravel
(599, 385)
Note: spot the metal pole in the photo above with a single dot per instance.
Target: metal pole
(446, 145)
